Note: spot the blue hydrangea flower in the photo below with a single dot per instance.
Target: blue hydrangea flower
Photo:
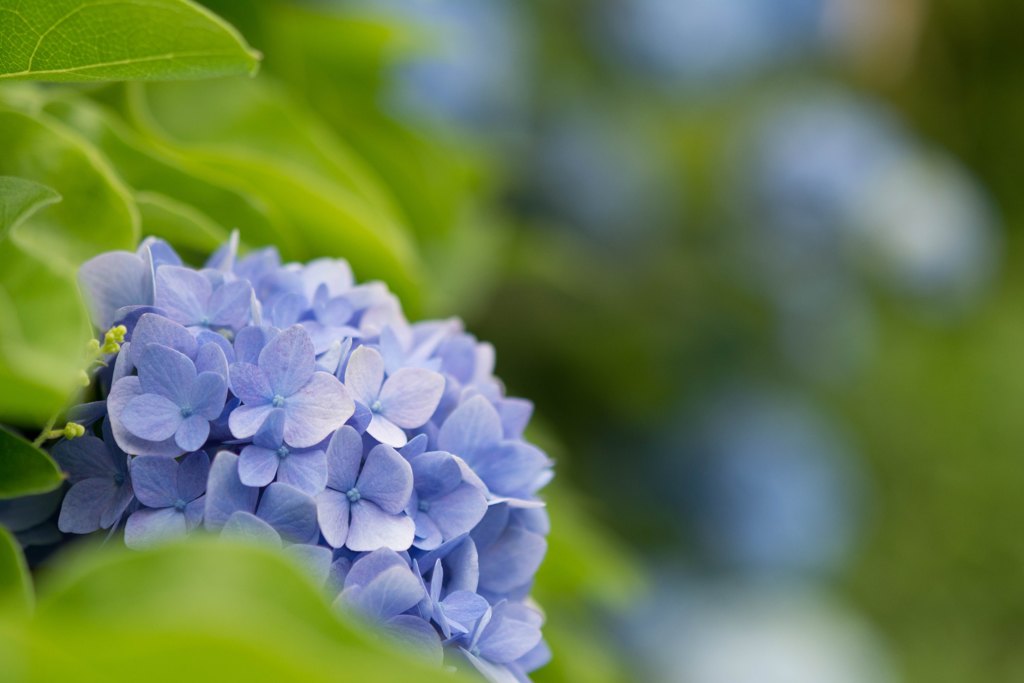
(101, 486)
(172, 494)
(269, 457)
(176, 400)
(315, 403)
(406, 400)
(300, 384)
(363, 507)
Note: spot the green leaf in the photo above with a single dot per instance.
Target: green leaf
(25, 469)
(204, 609)
(19, 199)
(184, 226)
(15, 583)
(97, 213)
(83, 40)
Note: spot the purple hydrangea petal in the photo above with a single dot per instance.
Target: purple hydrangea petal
(148, 527)
(390, 593)
(428, 535)
(223, 259)
(371, 528)
(512, 560)
(291, 512)
(364, 375)
(212, 356)
(166, 372)
(306, 471)
(473, 426)
(416, 634)
(369, 566)
(193, 471)
(123, 392)
(248, 526)
(156, 329)
(515, 414)
(344, 457)
(505, 639)
(257, 466)
(225, 492)
(511, 467)
(464, 608)
(332, 508)
(245, 420)
(249, 341)
(410, 396)
(250, 384)
(152, 417)
(270, 435)
(194, 513)
(416, 446)
(208, 395)
(386, 479)
(230, 304)
(154, 479)
(192, 433)
(315, 410)
(386, 431)
(113, 280)
(84, 504)
(435, 473)
(458, 512)
(183, 293)
(84, 458)
(288, 361)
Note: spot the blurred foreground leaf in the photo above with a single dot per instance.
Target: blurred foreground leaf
(79, 40)
(19, 199)
(25, 469)
(205, 609)
(15, 584)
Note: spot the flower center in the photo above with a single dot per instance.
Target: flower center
(353, 495)
(424, 506)
(376, 407)
(278, 401)
(118, 479)
(186, 411)
(282, 452)
(179, 505)
(205, 322)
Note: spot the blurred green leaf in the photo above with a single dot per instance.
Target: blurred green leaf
(183, 225)
(206, 609)
(19, 199)
(323, 198)
(78, 40)
(25, 469)
(15, 583)
(97, 213)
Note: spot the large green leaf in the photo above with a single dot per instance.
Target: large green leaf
(24, 469)
(328, 205)
(206, 609)
(19, 199)
(86, 40)
(15, 584)
(97, 213)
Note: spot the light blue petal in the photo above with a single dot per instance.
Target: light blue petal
(148, 527)
(230, 305)
(371, 528)
(291, 512)
(386, 479)
(435, 473)
(209, 394)
(84, 504)
(288, 361)
(193, 471)
(192, 433)
(250, 384)
(511, 561)
(183, 293)
(123, 392)
(389, 594)
(270, 435)
(249, 341)
(315, 560)
(113, 280)
(155, 480)
(316, 410)
(213, 355)
(370, 566)
(364, 375)
(156, 329)
(84, 458)
(245, 420)
(151, 417)
(458, 512)
(419, 636)
(410, 396)
(332, 511)
(472, 427)
(166, 372)
(225, 492)
(305, 470)
(257, 466)
(248, 526)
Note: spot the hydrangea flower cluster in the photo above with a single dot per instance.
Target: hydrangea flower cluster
(287, 403)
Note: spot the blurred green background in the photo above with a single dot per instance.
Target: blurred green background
(752, 259)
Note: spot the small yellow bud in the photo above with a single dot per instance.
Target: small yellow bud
(93, 347)
(83, 378)
(73, 430)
